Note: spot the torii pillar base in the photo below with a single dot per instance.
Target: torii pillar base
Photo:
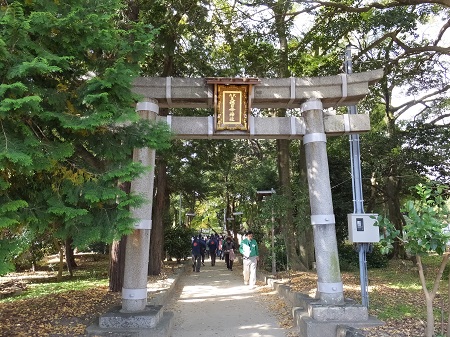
(150, 322)
(317, 320)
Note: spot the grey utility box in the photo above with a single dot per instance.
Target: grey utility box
(361, 228)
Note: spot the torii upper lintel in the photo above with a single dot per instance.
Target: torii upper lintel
(289, 93)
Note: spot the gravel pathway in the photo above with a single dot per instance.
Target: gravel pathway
(215, 302)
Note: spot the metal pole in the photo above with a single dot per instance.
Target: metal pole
(274, 261)
(225, 220)
(358, 202)
(355, 153)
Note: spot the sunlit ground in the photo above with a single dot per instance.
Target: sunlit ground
(231, 307)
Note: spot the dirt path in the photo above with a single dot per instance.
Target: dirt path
(215, 302)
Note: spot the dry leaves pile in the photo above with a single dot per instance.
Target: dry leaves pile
(279, 308)
(62, 314)
(305, 282)
(59, 314)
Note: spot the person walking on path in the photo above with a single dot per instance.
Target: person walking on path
(228, 252)
(249, 251)
(202, 249)
(197, 245)
(219, 248)
(212, 244)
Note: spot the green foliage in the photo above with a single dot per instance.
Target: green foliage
(395, 310)
(86, 278)
(388, 234)
(98, 247)
(37, 246)
(426, 222)
(9, 248)
(424, 233)
(349, 257)
(68, 126)
(177, 241)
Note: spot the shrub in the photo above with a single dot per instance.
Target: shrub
(349, 258)
(177, 242)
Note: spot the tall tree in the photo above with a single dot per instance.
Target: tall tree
(68, 122)
(183, 28)
(392, 35)
(414, 65)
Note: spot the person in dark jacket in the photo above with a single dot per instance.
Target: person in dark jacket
(197, 246)
(203, 250)
(212, 244)
(227, 248)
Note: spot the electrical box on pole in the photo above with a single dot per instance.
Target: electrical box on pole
(362, 229)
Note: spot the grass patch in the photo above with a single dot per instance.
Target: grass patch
(37, 290)
(92, 271)
(397, 292)
(398, 311)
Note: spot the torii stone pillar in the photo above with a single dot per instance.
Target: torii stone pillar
(329, 284)
(134, 291)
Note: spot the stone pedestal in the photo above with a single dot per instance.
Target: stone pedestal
(313, 318)
(318, 320)
(150, 322)
(148, 318)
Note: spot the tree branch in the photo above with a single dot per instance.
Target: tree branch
(441, 32)
(425, 98)
(439, 274)
(416, 50)
(437, 119)
(376, 5)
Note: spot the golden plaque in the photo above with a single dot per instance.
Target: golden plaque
(232, 102)
(232, 107)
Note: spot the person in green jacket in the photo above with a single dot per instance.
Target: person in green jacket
(249, 251)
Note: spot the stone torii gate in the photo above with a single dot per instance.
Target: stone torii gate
(312, 95)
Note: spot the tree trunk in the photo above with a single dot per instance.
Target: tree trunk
(373, 194)
(160, 205)
(448, 297)
(306, 236)
(288, 227)
(392, 186)
(117, 256)
(61, 262)
(70, 257)
(161, 201)
(392, 192)
(430, 295)
(117, 264)
(280, 9)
